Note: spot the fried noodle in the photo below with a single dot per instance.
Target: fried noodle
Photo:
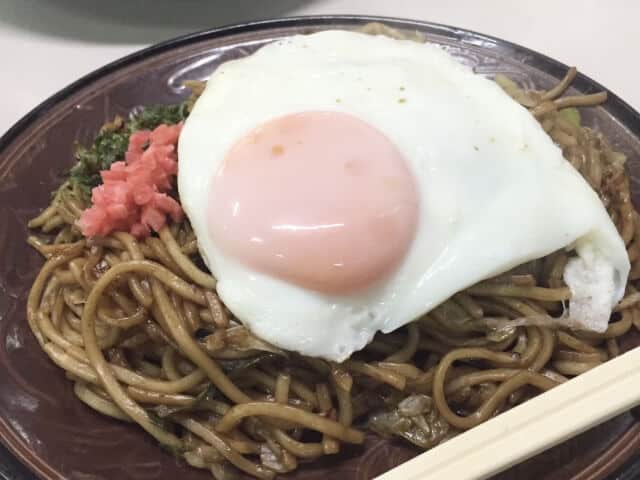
(139, 330)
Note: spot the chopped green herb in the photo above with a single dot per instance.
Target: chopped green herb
(571, 115)
(112, 142)
(155, 115)
(107, 148)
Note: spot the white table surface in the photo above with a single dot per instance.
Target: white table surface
(46, 44)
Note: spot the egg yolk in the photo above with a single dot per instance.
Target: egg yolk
(320, 199)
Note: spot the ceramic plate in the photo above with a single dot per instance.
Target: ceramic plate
(57, 436)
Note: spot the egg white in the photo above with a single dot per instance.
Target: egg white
(495, 191)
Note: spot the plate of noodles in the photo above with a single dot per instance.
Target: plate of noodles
(162, 314)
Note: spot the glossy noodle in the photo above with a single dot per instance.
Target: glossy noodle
(139, 330)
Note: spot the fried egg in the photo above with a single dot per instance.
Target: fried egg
(340, 184)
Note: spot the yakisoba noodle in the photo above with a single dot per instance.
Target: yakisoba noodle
(138, 328)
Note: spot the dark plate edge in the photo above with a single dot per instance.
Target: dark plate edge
(626, 114)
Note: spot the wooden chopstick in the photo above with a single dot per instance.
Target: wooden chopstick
(534, 426)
